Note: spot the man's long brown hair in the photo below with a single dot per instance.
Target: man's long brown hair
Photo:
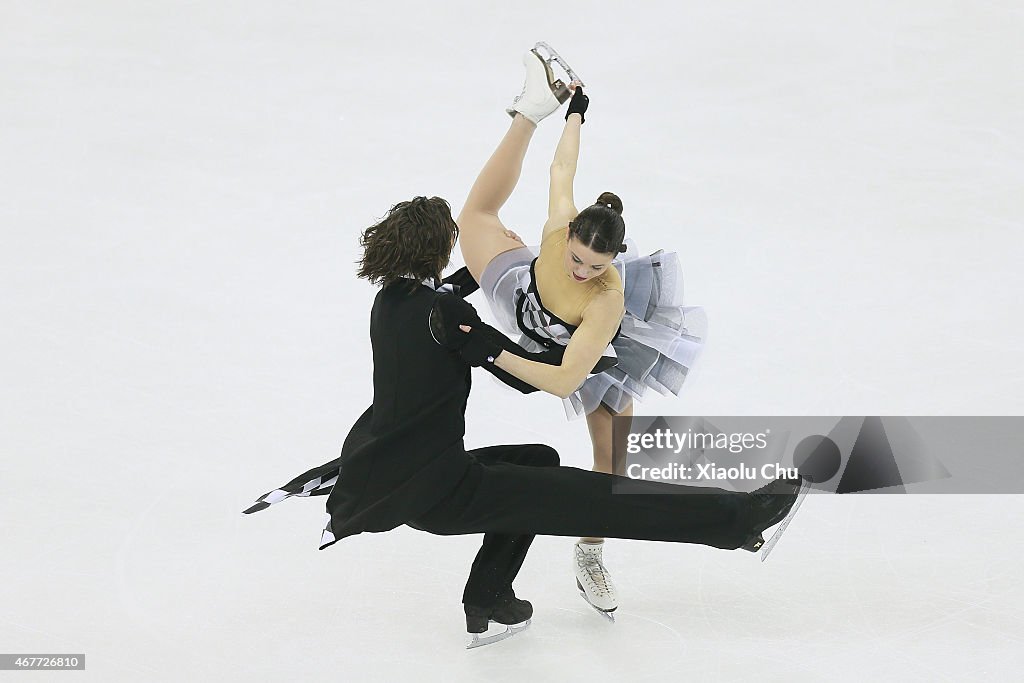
(415, 238)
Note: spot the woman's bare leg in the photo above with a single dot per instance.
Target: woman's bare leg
(600, 422)
(481, 232)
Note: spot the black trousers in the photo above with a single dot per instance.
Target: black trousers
(512, 493)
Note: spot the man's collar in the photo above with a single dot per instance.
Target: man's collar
(435, 284)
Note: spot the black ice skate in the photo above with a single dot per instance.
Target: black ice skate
(511, 612)
(775, 503)
(804, 487)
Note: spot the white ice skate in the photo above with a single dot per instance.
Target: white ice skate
(592, 579)
(542, 92)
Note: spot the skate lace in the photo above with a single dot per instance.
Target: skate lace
(596, 572)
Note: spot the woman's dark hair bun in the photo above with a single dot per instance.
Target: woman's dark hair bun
(600, 226)
(611, 200)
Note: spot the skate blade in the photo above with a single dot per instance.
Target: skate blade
(557, 58)
(784, 524)
(478, 640)
(607, 614)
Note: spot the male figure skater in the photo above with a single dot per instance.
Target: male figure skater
(404, 460)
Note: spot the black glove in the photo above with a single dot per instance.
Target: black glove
(578, 104)
(478, 348)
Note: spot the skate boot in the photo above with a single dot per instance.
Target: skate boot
(592, 579)
(542, 92)
(769, 505)
(511, 612)
(803, 487)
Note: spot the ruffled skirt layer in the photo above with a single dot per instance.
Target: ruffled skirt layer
(659, 342)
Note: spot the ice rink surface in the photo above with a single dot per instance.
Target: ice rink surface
(183, 186)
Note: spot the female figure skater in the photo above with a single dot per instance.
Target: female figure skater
(582, 292)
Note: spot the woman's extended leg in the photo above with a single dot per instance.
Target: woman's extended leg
(481, 232)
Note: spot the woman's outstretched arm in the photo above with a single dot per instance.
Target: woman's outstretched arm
(561, 206)
(600, 321)
(451, 318)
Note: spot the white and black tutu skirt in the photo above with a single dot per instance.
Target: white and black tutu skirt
(658, 341)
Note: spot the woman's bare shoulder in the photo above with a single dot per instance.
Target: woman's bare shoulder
(606, 304)
(612, 280)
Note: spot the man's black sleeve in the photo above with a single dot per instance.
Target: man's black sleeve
(549, 356)
(463, 280)
(450, 311)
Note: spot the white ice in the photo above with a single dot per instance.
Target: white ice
(181, 189)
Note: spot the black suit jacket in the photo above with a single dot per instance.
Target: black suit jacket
(405, 453)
